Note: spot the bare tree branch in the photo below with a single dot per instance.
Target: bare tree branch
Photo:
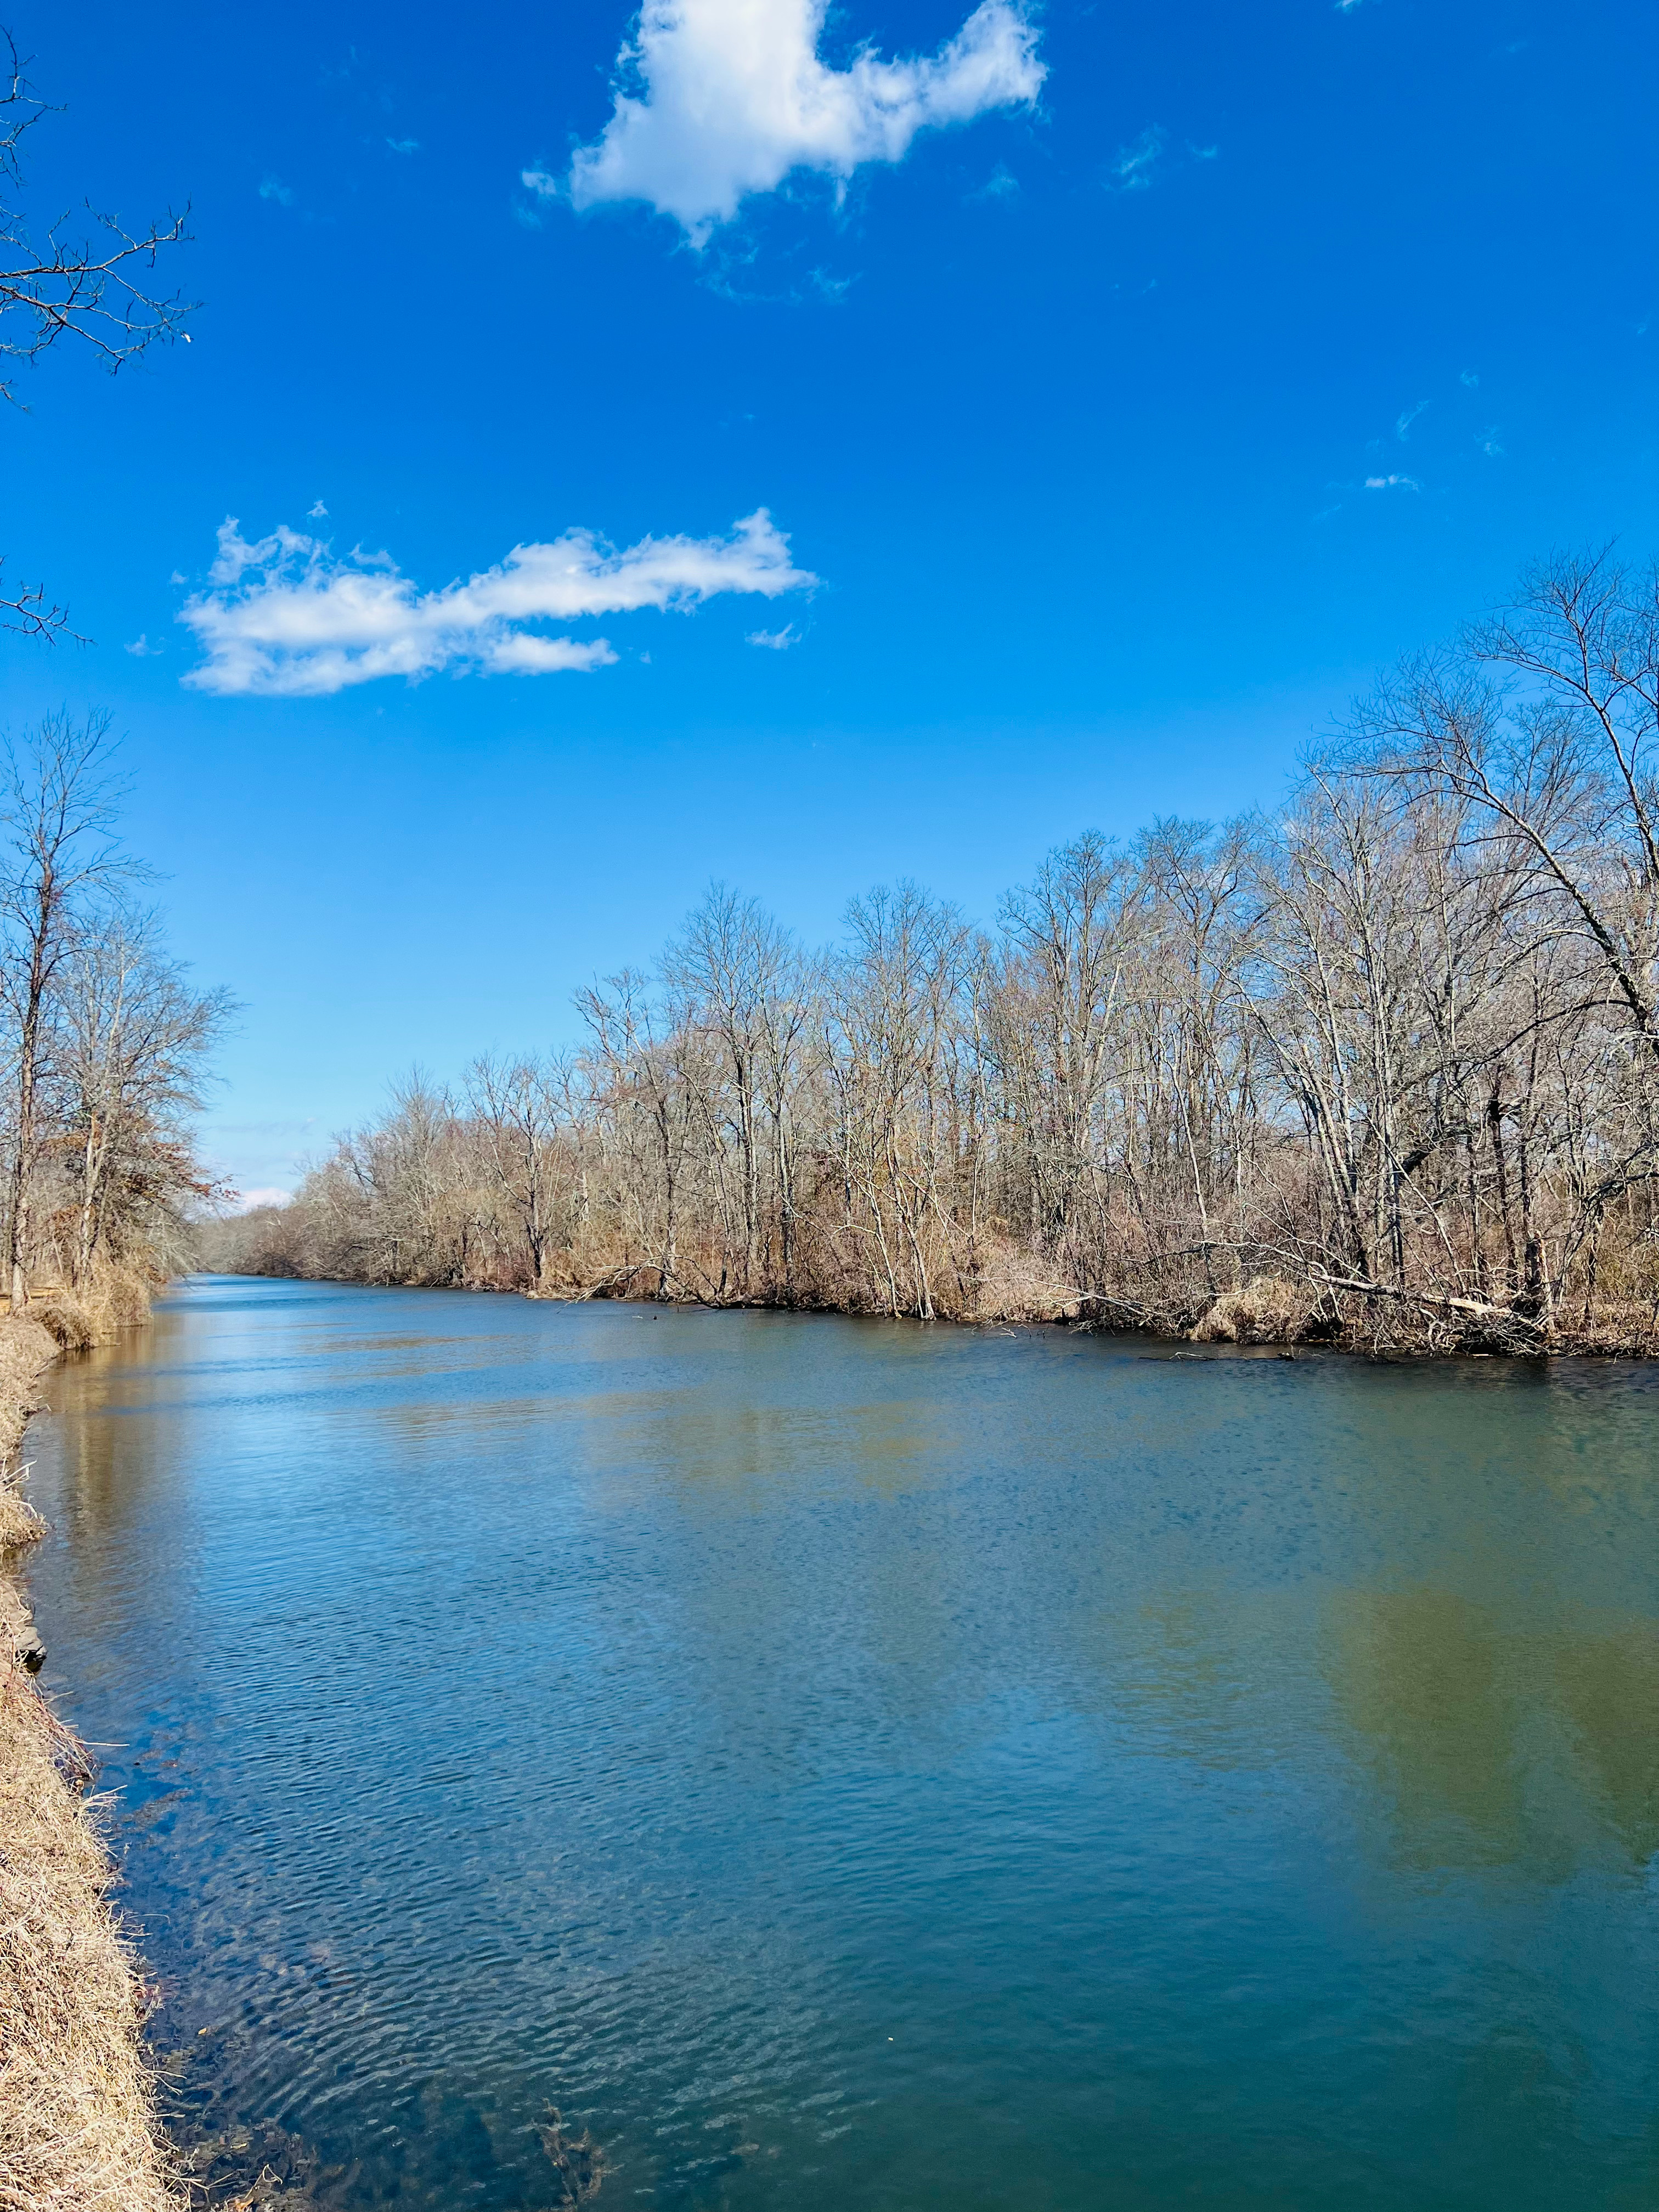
(91, 285)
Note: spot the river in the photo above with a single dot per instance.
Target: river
(859, 1767)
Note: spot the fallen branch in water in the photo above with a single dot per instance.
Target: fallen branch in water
(577, 2159)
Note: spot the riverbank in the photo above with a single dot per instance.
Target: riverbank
(78, 2125)
(1267, 1312)
(1265, 1308)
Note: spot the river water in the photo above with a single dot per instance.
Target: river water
(854, 1767)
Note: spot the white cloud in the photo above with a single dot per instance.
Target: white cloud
(1469, 377)
(142, 649)
(404, 145)
(722, 98)
(284, 618)
(1490, 441)
(273, 188)
(1391, 484)
(779, 640)
(269, 1194)
(317, 512)
(1001, 184)
(1403, 424)
(1131, 171)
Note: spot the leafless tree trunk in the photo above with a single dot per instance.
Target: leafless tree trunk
(59, 817)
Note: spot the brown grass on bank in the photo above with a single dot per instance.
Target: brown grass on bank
(25, 1349)
(1009, 1284)
(78, 2132)
(1267, 1310)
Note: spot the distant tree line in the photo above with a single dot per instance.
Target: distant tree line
(104, 1041)
(1383, 1065)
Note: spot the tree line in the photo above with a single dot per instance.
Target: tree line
(104, 1043)
(1382, 1066)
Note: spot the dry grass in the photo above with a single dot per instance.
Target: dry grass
(1267, 1311)
(64, 1319)
(20, 1523)
(25, 1349)
(117, 1297)
(78, 2132)
(1014, 1285)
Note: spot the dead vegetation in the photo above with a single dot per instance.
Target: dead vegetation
(78, 2130)
(25, 1350)
(1264, 1310)
(577, 2159)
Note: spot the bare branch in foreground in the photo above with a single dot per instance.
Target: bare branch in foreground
(91, 283)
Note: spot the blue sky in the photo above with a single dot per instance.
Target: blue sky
(1127, 424)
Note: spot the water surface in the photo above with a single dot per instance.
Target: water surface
(858, 1768)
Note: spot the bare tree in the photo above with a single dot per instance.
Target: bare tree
(516, 1105)
(732, 965)
(135, 1040)
(1070, 938)
(60, 813)
(56, 285)
(1545, 720)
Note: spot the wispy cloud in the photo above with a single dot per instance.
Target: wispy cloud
(1391, 484)
(725, 271)
(720, 98)
(1001, 184)
(544, 188)
(1403, 422)
(1131, 172)
(273, 188)
(1469, 377)
(284, 618)
(1490, 441)
(404, 145)
(142, 649)
(778, 641)
(317, 512)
